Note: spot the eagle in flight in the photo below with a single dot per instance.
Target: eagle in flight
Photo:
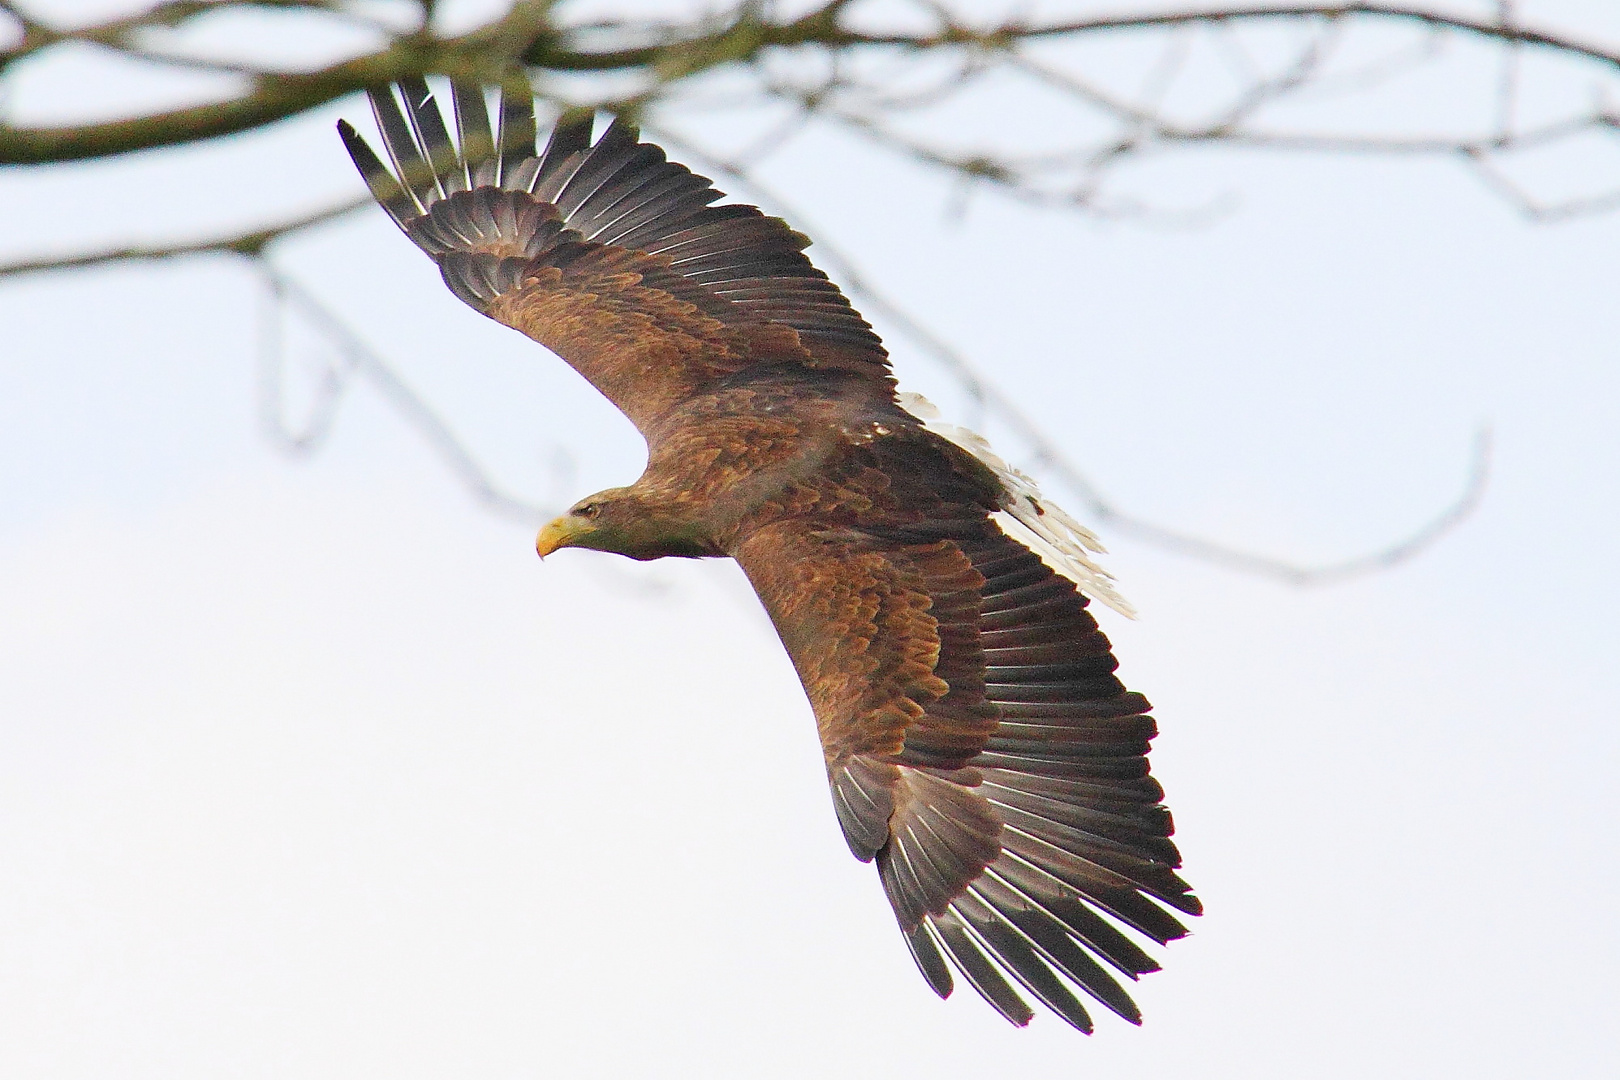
(979, 748)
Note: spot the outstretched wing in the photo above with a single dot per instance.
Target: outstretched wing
(981, 750)
(606, 253)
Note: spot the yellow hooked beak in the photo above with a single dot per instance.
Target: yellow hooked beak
(560, 533)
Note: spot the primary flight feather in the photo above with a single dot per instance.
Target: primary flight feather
(979, 748)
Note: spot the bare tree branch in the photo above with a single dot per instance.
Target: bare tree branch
(360, 359)
(748, 33)
(250, 242)
(487, 54)
(1401, 551)
(526, 36)
(817, 65)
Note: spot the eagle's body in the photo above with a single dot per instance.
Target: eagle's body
(979, 747)
(768, 443)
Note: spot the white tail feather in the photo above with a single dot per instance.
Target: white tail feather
(1062, 542)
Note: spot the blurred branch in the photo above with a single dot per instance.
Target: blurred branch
(488, 54)
(1473, 494)
(1046, 453)
(876, 107)
(362, 360)
(747, 32)
(358, 357)
(826, 65)
(527, 41)
(250, 242)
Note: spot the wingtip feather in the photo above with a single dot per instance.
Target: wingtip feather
(934, 970)
(384, 188)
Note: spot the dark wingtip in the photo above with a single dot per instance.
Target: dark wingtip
(981, 973)
(932, 965)
(622, 130)
(472, 125)
(515, 138)
(570, 135)
(384, 188)
(411, 169)
(427, 123)
(573, 127)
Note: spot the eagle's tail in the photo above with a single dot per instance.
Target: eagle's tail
(1030, 517)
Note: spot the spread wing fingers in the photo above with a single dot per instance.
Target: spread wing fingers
(982, 753)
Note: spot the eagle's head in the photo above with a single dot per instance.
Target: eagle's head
(629, 522)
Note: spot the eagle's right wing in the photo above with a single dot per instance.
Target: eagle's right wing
(606, 253)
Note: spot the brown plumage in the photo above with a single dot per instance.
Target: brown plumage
(978, 746)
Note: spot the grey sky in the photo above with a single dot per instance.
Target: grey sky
(309, 768)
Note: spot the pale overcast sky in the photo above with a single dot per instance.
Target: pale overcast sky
(309, 768)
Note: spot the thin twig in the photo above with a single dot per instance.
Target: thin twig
(250, 242)
(746, 35)
(1416, 543)
(366, 362)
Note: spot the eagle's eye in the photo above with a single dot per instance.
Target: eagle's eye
(588, 510)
